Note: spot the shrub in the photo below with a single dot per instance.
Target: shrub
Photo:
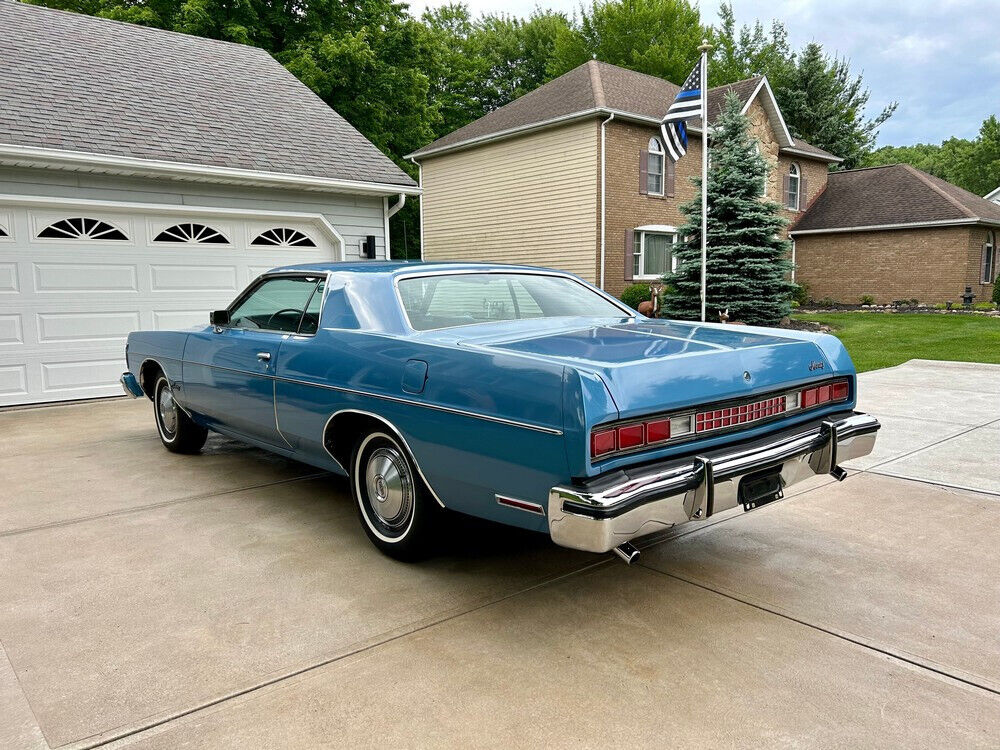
(827, 302)
(795, 305)
(996, 292)
(634, 294)
(800, 294)
(984, 306)
(940, 306)
(867, 299)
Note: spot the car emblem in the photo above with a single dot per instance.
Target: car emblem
(815, 366)
(746, 375)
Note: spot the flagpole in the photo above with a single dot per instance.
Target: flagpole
(704, 48)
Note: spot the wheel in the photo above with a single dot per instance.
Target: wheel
(178, 432)
(395, 509)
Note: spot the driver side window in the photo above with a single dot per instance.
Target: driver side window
(280, 304)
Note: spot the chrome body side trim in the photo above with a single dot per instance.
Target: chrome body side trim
(601, 514)
(395, 432)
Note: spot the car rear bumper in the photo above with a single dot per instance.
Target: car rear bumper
(130, 385)
(601, 513)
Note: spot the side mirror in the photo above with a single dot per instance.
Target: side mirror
(219, 318)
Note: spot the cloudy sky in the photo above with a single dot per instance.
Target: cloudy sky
(940, 59)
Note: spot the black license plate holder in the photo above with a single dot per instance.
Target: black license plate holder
(760, 489)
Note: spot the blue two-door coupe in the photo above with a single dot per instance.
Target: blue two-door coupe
(521, 395)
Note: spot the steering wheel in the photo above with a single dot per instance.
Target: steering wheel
(283, 310)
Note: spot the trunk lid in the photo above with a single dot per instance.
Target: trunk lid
(654, 365)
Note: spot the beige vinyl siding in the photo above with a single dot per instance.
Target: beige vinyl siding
(530, 200)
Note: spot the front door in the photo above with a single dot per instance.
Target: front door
(229, 371)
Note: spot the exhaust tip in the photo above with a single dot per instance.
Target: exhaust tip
(626, 552)
(839, 473)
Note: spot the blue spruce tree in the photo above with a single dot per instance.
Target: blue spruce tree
(748, 266)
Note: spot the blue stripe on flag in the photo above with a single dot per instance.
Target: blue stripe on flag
(689, 94)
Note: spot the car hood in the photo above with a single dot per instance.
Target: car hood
(653, 365)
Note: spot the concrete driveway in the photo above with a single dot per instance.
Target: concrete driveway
(232, 600)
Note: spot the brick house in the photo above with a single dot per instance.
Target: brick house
(573, 176)
(896, 233)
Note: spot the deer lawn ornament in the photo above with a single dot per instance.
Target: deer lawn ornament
(651, 309)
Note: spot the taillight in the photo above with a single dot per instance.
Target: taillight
(818, 395)
(632, 436)
(602, 442)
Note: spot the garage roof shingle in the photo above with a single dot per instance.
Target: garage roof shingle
(887, 196)
(78, 83)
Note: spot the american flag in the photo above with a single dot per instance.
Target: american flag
(686, 105)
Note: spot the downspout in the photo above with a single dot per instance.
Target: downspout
(385, 225)
(389, 213)
(420, 208)
(603, 198)
(394, 208)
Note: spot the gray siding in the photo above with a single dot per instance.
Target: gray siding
(354, 216)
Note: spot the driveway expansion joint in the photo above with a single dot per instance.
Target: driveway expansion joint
(938, 671)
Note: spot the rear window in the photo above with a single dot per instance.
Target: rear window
(450, 300)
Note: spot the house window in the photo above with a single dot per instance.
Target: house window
(653, 254)
(284, 237)
(81, 229)
(197, 233)
(794, 180)
(990, 258)
(654, 167)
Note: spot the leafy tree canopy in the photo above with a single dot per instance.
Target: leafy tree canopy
(658, 37)
(970, 164)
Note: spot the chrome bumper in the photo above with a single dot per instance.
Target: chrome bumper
(600, 514)
(130, 386)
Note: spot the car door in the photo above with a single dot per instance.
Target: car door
(229, 370)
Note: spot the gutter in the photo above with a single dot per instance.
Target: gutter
(540, 125)
(127, 165)
(911, 225)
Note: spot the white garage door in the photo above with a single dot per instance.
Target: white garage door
(75, 279)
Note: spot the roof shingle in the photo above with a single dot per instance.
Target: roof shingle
(78, 83)
(887, 196)
(594, 86)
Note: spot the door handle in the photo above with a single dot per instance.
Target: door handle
(264, 356)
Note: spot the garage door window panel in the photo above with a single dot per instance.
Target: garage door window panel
(283, 237)
(278, 305)
(82, 228)
(199, 234)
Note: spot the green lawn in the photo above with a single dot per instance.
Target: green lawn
(880, 340)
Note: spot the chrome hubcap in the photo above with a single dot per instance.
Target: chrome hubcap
(390, 487)
(168, 410)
